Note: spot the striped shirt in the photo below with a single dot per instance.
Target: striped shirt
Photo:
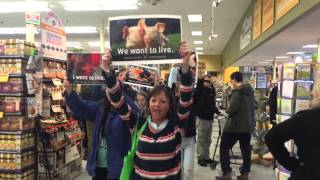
(158, 153)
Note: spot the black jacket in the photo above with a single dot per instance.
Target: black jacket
(241, 111)
(273, 103)
(205, 101)
(304, 129)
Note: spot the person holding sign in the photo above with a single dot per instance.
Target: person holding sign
(157, 155)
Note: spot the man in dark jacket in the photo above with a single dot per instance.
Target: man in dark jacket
(238, 127)
(206, 108)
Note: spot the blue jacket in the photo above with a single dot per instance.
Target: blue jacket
(118, 133)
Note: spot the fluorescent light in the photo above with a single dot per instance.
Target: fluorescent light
(22, 6)
(196, 33)
(15, 30)
(310, 46)
(295, 52)
(97, 44)
(298, 59)
(197, 42)
(74, 44)
(99, 5)
(282, 57)
(199, 48)
(195, 18)
(81, 30)
(199, 53)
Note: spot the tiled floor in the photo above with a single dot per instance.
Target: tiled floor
(201, 173)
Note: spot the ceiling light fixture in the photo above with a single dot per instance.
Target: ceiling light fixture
(197, 42)
(200, 53)
(213, 33)
(81, 30)
(269, 60)
(282, 57)
(295, 52)
(97, 44)
(23, 6)
(99, 5)
(310, 46)
(196, 33)
(195, 18)
(15, 30)
(199, 48)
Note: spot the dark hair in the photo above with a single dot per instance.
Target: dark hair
(143, 94)
(120, 71)
(167, 91)
(237, 76)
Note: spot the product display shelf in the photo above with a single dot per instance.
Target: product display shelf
(17, 138)
(295, 83)
(61, 147)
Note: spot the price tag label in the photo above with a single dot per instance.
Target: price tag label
(4, 77)
(57, 96)
(57, 82)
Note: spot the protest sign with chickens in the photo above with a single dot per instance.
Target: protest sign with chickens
(152, 39)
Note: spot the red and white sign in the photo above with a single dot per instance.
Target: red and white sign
(32, 18)
(53, 37)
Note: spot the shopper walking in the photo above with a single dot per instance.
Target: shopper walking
(304, 129)
(205, 99)
(111, 137)
(239, 126)
(158, 152)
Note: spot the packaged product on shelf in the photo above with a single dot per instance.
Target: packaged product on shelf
(32, 107)
(26, 175)
(18, 47)
(2, 46)
(15, 162)
(75, 168)
(286, 106)
(13, 86)
(304, 72)
(11, 104)
(289, 71)
(303, 89)
(16, 142)
(302, 104)
(61, 174)
(16, 123)
(11, 66)
(56, 161)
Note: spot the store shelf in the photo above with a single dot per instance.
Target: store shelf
(12, 95)
(13, 57)
(19, 132)
(18, 151)
(52, 59)
(31, 167)
(14, 114)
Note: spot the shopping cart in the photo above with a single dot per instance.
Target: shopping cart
(221, 121)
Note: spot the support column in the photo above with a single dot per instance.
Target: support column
(102, 36)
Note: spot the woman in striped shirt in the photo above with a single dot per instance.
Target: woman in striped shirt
(158, 153)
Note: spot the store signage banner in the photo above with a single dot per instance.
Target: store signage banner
(246, 32)
(261, 81)
(143, 75)
(53, 37)
(267, 14)
(152, 39)
(84, 68)
(32, 18)
(284, 6)
(257, 19)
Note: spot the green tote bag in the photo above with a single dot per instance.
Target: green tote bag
(128, 161)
